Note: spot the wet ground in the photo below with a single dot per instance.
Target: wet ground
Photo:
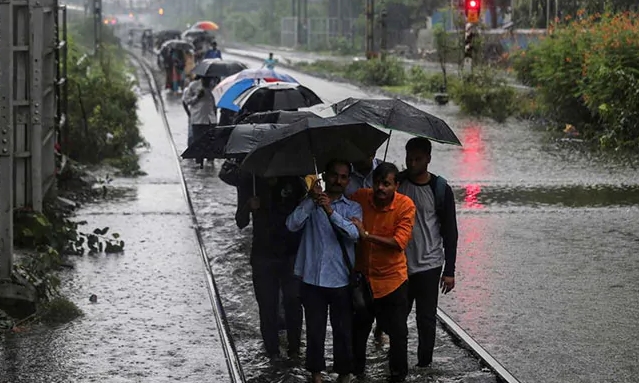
(153, 320)
(547, 268)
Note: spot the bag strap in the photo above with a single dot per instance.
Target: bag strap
(347, 260)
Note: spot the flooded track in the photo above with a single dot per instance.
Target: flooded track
(214, 204)
(548, 277)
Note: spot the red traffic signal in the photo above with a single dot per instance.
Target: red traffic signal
(473, 5)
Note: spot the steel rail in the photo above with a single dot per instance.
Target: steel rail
(230, 352)
(456, 331)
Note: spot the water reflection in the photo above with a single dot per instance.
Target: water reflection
(474, 264)
(473, 164)
(567, 196)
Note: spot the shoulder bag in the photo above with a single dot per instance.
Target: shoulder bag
(361, 291)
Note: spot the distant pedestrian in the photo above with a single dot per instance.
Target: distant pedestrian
(270, 62)
(434, 242)
(201, 104)
(269, 202)
(384, 234)
(213, 53)
(328, 237)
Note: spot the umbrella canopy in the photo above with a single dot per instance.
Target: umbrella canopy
(277, 117)
(305, 146)
(395, 114)
(195, 33)
(245, 137)
(177, 45)
(227, 99)
(165, 35)
(276, 96)
(206, 26)
(217, 68)
(267, 75)
(232, 141)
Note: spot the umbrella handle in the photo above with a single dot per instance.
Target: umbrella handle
(254, 187)
(390, 133)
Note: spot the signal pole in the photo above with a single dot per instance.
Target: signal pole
(370, 28)
(472, 9)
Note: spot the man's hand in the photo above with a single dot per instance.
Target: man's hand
(324, 201)
(316, 190)
(447, 284)
(360, 227)
(254, 203)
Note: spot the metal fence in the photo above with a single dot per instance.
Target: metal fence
(315, 33)
(32, 90)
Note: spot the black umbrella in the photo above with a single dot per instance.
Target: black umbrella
(395, 114)
(218, 68)
(277, 96)
(276, 117)
(165, 35)
(210, 144)
(245, 137)
(195, 33)
(231, 141)
(180, 45)
(305, 146)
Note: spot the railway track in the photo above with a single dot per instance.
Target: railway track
(232, 360)
(235, 369)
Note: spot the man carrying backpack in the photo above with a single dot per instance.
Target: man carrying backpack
(434, 242)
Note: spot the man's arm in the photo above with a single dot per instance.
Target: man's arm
(243, 212)
(403, 230)
(297, 219)
(346, 227)
(449, 233)
(191, 96)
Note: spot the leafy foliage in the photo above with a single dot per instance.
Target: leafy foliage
(51, 235)
(587, 74)
(389, 71)
(484, 93)
(102, 113)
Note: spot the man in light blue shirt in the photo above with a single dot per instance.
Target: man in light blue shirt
(320, 263)
(362, 175)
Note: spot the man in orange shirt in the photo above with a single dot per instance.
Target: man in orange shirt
(388, 219)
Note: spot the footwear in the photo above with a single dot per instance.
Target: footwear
(275, 357)
(294, 356)
(422, 365)
(397, 378)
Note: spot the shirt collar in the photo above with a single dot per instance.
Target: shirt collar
(390, 207)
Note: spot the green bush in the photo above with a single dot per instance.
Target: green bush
(387, 72)
(484, 93)
(425, 84)
(102, 112)
(587, 74)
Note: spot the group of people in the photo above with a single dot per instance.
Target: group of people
(178, 63)
(397, 228)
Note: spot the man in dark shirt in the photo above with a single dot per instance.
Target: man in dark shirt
(273, 253)
(433, 246)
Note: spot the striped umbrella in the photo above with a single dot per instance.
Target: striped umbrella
(266, 75)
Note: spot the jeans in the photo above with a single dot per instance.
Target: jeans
(269, 277)
(318, 302)
(423, 289)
